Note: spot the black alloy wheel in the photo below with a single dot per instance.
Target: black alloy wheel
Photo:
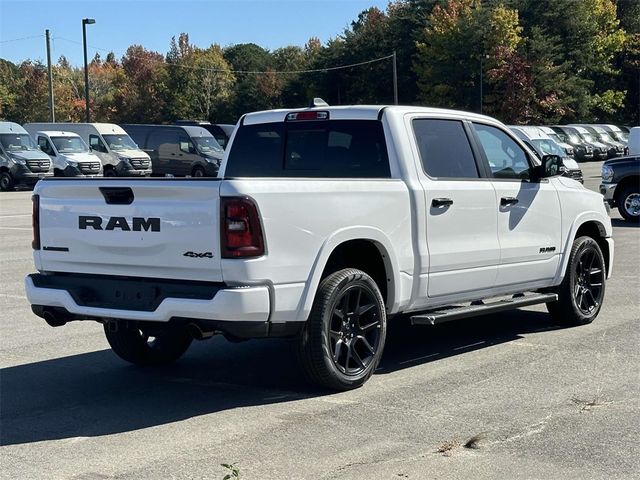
(581, 293)
(343, 339)
(354, 330)
(588, 280)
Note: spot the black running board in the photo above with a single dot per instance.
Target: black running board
(456, 313)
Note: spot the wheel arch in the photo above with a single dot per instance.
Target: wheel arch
(594, 227)
(352, 248)
(628, 180)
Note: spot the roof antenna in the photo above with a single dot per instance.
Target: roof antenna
(318, 102)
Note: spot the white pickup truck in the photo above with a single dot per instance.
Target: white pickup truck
(325, 223)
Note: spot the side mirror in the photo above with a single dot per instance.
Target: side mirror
(552, 166)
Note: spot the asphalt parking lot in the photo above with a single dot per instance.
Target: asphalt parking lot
(531, 400)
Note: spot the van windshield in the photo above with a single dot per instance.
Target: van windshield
(69, 144)
(15, 142)
(120, 142)
(207, 144)
(548, 147)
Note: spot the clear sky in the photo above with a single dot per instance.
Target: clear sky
(152, 23)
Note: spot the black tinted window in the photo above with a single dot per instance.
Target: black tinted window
(163, 137)
(444, 149)
(329, 149)
(506, 158)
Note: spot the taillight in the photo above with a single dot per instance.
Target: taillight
(35, 221)
(241, 233)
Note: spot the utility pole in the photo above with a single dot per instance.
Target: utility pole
(395, 80)
(52, 108)
(481, 83)
(85, 22)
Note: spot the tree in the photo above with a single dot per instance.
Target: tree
(10, 86)
(143, 96)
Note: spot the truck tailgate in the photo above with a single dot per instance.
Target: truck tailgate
(169, 229)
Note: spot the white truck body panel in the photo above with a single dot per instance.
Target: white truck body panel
(475, 249)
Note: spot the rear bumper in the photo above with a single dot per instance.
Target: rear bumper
(246, 304)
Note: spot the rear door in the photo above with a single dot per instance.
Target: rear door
(138, 228)
(528, 213)
(461, 209)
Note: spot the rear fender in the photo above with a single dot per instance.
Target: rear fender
(379, 239)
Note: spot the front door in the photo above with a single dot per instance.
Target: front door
(461, 221)
(528, 217)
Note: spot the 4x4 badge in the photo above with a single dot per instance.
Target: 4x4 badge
(197, 255)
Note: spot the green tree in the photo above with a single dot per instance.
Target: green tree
(10, 86)
(143, 96)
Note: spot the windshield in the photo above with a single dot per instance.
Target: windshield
(69, 144)
(555, 137)
(207, 144)
(607, 137)
(620, 136)
(120, 142)
(16, 142)
(588, 137)
(548, 147)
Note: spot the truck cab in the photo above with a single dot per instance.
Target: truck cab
(21, 161)
(71, 157)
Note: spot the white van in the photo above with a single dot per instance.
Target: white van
(71, 157)
(119, 154)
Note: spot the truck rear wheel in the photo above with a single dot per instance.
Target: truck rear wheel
(343, 339)
(581, 292)
(142, 346)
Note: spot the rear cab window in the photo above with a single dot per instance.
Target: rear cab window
(310, 149)
(445, 150)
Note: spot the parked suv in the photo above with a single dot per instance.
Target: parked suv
(21, 161)
(71, 157)
(614, 147)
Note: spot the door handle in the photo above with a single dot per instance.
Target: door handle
(506, 201)
(441, 202)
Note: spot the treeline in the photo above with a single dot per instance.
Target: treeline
(535, 61)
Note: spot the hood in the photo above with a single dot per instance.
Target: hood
(29, 155)
(132, 153)
(80, 157)
(635, 160)
(217, 156)
(570, 163)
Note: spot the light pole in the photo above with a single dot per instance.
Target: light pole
(85, 22)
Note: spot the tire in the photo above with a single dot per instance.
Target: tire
(6, 182)
(581, 293)
(197, 172)
(339, 354)
(160, 347)
(110, 172)
(628, 202)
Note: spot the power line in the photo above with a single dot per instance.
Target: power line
(21, 38)
(249, 72)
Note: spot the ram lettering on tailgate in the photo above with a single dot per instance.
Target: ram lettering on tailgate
(137, 223)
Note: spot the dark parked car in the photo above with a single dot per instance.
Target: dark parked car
(582, 150)
(621, 186)
(178, 150)
(222, 131)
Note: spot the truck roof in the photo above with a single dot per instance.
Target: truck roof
(11, 127)
(357, 112)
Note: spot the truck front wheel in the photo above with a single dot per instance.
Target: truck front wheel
(342, 342)
(143, 346)
(581, 292)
